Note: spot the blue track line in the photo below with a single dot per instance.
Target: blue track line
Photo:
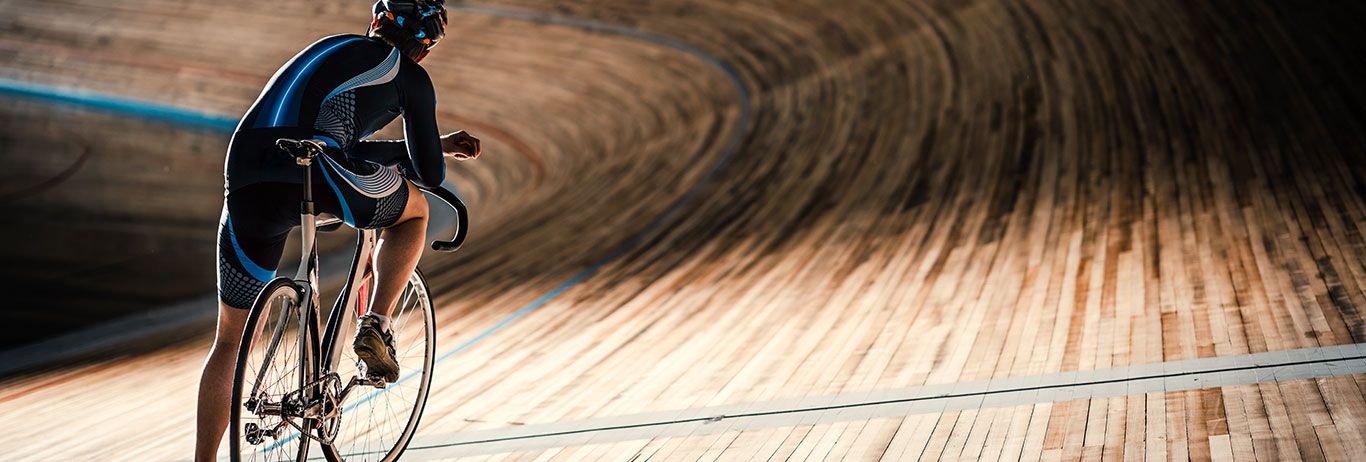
(106, 103)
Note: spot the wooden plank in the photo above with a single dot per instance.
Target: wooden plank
(927, 192)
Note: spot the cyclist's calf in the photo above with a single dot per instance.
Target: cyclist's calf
(216, 381)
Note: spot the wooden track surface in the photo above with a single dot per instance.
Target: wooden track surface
(1157, 426)
(927, 192)
(94, 220)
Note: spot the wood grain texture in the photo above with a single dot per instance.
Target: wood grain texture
(1048, 431)
(928, 192)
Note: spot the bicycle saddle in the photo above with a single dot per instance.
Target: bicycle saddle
(301, 149)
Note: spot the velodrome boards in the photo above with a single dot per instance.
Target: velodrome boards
(921, 197)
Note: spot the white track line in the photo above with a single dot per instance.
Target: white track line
(1014, 391)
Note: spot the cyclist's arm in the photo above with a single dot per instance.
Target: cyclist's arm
(384, 152)
(419, 127)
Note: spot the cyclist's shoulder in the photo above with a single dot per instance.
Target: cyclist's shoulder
(346, 45)
(415, 71)
(411, 67)
(414, 80)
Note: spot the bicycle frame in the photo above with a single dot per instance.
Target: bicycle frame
(355, 295)
(318, 343)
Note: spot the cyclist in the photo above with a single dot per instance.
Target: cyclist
(338, 90)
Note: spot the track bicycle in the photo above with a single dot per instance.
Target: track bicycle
(297, 380)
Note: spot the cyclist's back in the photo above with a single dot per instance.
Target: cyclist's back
(339, 90)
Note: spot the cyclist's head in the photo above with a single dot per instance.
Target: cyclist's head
(412, 26)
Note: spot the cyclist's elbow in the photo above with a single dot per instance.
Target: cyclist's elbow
(429, 180)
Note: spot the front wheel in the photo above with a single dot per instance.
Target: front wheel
(268, 405)
(376, 424)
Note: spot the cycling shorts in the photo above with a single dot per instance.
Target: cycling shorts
(257, 218)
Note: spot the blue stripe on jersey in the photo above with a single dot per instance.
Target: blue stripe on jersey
(341, 199)
(285, 111)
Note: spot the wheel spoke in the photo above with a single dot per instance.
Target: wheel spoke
(374, 421)
(273, 361)
(276, 334)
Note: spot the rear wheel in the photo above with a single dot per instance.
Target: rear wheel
(376, 424)
(267, 402)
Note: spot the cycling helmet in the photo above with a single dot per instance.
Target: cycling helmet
(414, 26)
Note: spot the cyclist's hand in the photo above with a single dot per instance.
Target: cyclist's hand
(460, 145)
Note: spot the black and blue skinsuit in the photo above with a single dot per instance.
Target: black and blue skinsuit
(338, 90)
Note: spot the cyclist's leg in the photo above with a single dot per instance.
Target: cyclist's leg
(215, 383)
(400, 246)
(251, 237)
(379, 199)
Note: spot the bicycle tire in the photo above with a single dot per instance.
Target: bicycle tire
(340, 450)
(261, 326)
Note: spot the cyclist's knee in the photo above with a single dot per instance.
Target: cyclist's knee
(231, 322)
(417, 205)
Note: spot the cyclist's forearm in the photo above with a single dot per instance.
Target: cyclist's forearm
(395, 153)
(424, 147)
(428, 164)
(419, 128)
(386, 152)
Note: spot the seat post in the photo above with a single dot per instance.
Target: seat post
(307, 163)
(308, 265)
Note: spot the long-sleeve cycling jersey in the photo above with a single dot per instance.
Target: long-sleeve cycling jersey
(339, 90)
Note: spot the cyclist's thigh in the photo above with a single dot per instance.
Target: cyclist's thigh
(251, 236)
(372, 200)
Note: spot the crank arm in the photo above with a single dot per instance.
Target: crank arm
(355, 380)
